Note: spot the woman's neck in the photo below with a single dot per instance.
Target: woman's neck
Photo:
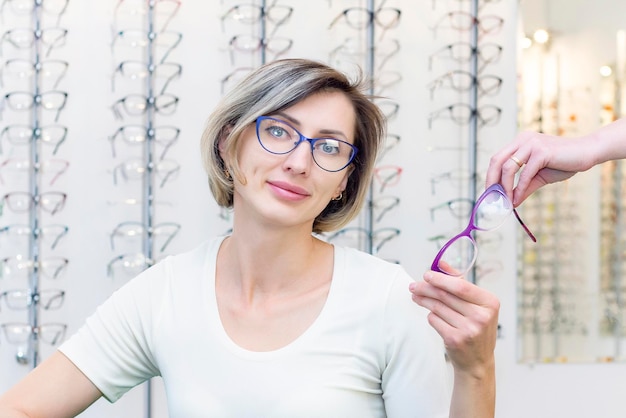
(273, 261)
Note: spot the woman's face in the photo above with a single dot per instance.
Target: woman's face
(291, 189)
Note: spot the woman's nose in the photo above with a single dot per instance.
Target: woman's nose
(300, 159)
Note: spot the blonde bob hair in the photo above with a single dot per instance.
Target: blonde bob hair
(276, 86)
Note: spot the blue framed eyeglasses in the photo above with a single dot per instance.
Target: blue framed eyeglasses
(458, 255)
(278, 137)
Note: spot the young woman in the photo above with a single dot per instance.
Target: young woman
(271, 321)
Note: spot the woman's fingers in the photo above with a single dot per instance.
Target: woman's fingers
(465, 316)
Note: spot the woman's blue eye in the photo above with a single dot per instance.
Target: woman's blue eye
(276, 131)
(328, 146)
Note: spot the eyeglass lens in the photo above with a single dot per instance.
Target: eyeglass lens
(459, 254)
(278, 137)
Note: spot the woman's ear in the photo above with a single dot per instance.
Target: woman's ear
(221, 143)
(344, 182)
(223, 137)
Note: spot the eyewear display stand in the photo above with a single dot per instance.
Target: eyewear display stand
(613, 286)
(34, 189)
(28, 336)
(368, 215)
(148, 135)
(148, 178)
(263, 33)
(465, 113)
(472, 145)
(612, 253)
(371, 241)
(256, 44)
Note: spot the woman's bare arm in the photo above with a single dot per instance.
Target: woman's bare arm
(54, 389)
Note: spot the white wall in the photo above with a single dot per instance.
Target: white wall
(524, 391)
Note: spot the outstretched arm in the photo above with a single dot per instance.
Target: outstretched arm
(466, 317)
(550, 159)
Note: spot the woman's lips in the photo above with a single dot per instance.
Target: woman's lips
(287, 190)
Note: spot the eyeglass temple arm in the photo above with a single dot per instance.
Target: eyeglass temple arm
(530, 234)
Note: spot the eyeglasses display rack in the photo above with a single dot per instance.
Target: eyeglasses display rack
(368, 213)
(367, 49)
(264, 20)
(470, 115)
(150, 44)
(472, 148)
(32, 47)
(612, 324)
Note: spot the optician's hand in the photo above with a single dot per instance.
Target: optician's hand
(548, 159)
(542, 158)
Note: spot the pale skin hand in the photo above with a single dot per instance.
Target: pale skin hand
(466, 317)
(550, 159)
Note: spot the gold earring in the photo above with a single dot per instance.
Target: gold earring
(227, 174)
(338, 197)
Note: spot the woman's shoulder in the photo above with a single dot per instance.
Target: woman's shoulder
(361, 258)
(198, 256)
(181, 268)
(369, 269)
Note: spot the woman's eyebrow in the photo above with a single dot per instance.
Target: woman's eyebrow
(298, 124)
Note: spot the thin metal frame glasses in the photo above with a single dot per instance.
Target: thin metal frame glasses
(21, 202)
(53, 135)
(278, 137)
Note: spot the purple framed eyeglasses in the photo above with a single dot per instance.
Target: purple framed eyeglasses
(491, 209)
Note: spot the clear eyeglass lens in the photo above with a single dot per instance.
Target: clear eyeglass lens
(52, 334)
(53, 7)
(492, 211)
(17, 299)
(52, 202)
(135, 104)
(459, 257)
(358, 18)
(134, 134)
(53, 134)
(52, 100)
(280, 138)
(246, 43)
(166, 134)
(17, 333)
(387, 17)
(278, 14)
(130, 230)
(247, 13)
(18, 201)
(129, 264)
(134, 70)
(461, 208)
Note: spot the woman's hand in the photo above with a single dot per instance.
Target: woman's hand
(466, 317)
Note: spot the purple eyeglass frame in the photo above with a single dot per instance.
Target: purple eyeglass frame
(467, 232)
